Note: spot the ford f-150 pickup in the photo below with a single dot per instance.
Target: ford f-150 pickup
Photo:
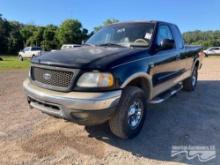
(114, 75)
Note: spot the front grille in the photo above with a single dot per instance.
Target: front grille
(52, 78)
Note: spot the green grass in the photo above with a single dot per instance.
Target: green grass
(12, 62)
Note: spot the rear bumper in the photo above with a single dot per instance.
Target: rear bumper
(87, 108)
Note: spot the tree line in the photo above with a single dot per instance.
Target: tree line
(14, 35)
(204, 38)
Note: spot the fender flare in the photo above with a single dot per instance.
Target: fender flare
(194, 63)
(139, 75)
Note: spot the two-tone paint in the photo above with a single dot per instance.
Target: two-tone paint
(159, 69)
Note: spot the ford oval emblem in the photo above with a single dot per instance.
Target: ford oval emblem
(47, 76)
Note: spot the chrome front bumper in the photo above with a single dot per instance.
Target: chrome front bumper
(63, 104)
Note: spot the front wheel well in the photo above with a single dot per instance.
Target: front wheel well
(141, 83)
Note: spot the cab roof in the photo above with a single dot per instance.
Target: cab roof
(142, 21)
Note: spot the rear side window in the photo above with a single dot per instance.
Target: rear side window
(213, 49)
(163, 33)
(36, 48)
(27, 49)
(178, 37)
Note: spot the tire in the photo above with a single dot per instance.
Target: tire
(20, 58)
(133, 105)
(190, 83)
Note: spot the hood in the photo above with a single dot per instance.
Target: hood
(84, 57)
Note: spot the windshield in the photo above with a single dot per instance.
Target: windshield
(125, 34)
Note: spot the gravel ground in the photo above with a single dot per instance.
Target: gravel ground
(30, 137)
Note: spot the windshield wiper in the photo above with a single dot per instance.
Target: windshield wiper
(111, 44)
(88, 44)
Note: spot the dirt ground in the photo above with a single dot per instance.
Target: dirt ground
(30, 137)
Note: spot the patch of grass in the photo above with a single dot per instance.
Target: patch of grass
(12, 62)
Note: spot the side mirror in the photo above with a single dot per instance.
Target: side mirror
(167, 44)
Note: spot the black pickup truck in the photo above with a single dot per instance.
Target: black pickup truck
(114, 75)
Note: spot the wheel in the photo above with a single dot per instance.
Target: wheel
(20, 58)
(130, 115)
(190, 83)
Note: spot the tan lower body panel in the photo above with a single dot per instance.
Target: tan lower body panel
(168, 84)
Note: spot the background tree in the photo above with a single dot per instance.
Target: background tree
(27, 33)
(14, 40)
(14, 36)
(37, 37)
(85, 34)
(50, 40)
(105, 23)
(206, 38)
(4, 34)
(71, 31)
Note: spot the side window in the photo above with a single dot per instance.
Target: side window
(178, 37)
(35, 48)
(213, 49)
(163, 33)
(26, 49)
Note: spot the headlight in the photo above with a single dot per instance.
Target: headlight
(94, 80)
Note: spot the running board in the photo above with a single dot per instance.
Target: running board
(164, 96)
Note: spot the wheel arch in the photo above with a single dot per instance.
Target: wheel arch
(141, 80)
(197, 64)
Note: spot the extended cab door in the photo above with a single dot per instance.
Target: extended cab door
(166, 67)
(186, 59)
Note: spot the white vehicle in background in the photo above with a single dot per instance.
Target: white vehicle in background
(69, 46)
(212, 51)
(29, 52)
